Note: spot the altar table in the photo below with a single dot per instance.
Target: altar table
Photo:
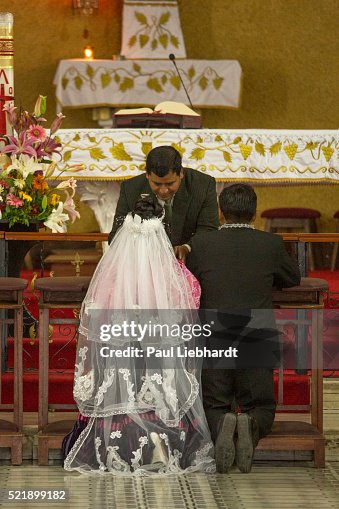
(267, 157)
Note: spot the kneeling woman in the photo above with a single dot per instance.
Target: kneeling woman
(140, 414)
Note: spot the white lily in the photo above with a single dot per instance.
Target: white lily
(25, 164)
(56, 221)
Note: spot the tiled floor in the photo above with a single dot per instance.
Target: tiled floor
(268, 486)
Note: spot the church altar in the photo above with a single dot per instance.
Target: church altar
(261, 157)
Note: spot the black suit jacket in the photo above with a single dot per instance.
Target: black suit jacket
(195, 208)
(237, 269)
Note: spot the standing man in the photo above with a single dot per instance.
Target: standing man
(237, 268)
(188, 197)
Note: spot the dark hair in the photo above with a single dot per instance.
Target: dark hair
(238, 203)
(162, 160)
(148, 207)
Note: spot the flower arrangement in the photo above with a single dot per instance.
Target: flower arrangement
(27, 169)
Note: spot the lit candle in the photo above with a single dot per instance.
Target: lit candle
(88, 52)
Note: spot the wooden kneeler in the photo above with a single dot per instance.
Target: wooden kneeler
(55, 293)
(298, 435)
(11, 294)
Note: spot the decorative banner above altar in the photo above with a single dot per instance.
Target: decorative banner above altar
(151, 29)
(261, 157)
(84, 84)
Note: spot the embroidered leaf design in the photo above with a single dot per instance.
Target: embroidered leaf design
(259, 147)
(275, 148)
(291, 150)
(141, 18)
(197, 153)
(96, 153)
(199, 139)
(154, 44)
(67, 155)
(175, 81)
(164, 79)
(174, 41)
(163, 39)
(245, 150)
(89, 71)
(132, 41)
(179, 148)
(164, 18)
(217, 82)
(136, 67)
(118, 152)
(143, 40)
(203, 83)
(105, 79)
(218, 138)
(146, 147)
(227, 156)
(191, 72)
(126, 84)
(78, 82)
(327, 151)
(64, 83)
(76, 137)
(92, 139)
(117, 78)
(237, 140)
(311, 145)
(154, 84)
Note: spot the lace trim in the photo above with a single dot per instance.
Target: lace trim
(237, 225)
(108, 381)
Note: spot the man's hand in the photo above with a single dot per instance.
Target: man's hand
(181, 252)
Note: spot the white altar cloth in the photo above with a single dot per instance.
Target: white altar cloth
(260, 156)
(93, 83)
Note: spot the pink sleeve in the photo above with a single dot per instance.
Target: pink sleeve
(193, 283)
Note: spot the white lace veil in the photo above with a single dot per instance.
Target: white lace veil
(138, 278)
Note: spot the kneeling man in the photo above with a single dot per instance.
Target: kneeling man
(237, 267)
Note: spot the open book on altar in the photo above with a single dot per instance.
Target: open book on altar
(165, 114)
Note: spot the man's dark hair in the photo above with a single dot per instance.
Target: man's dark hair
(162, 160)
(238, 203)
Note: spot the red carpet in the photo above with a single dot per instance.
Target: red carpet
(62, 358)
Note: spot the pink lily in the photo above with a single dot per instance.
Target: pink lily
(48, 147)
(70, 183)
(20, 145)
(56, 123)
(9, 108)
(69, 206)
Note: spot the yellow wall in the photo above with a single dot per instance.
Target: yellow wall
(287, 48)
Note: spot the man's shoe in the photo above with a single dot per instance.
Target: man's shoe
(224, 444)
(244, 446)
